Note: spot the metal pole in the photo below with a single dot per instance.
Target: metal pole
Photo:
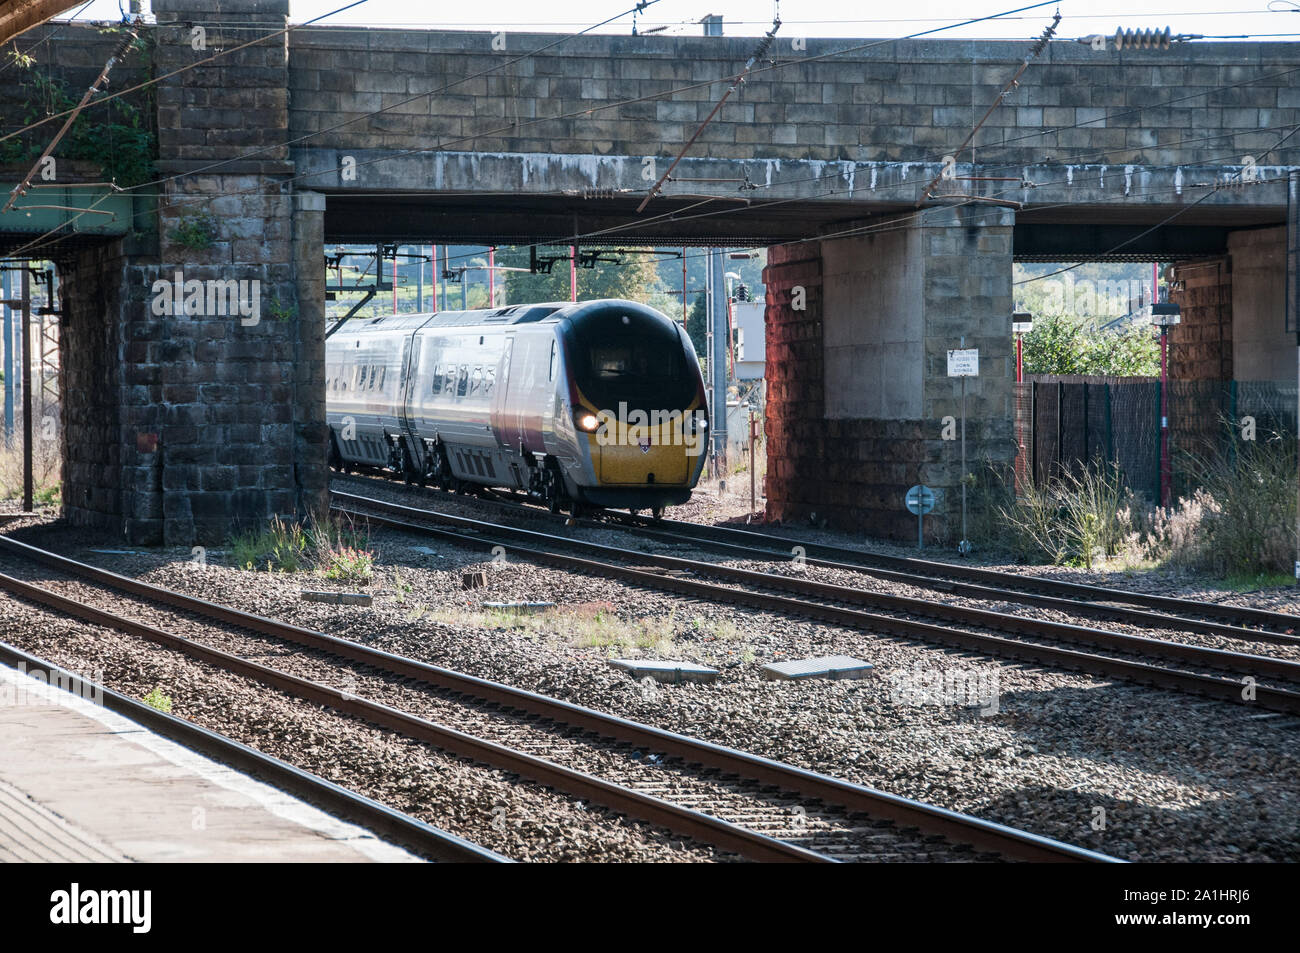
(440, 283)
(1164, 417)
(684, 311)
(492, 276)
(27, 391)
(9, 361)
(1020, 358)
(753, 492)
(573, 273)
(964, 546)
(419, 281)
(718, 358)
(396, 249)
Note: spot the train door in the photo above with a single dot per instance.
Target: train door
(407, 391)
(506, 403)
(403, 375)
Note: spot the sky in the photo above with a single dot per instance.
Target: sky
(1257, 19)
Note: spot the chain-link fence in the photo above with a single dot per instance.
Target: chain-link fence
(1066, 423)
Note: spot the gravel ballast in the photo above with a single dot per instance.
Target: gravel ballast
(1178, 778)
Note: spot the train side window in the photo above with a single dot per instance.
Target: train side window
(383, 375)
(449, 380)
(551, 373)
(476, 379)
(462, 383)
(490, 381)
(435, 385)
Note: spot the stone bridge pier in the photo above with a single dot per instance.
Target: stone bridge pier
(193, 353)
(858, 330)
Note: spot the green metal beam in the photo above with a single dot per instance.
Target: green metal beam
(73, 209)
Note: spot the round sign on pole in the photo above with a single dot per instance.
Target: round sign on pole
(919, 499)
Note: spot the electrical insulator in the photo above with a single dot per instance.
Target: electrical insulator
(1142, 39)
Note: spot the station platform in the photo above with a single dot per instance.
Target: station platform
(82, 784)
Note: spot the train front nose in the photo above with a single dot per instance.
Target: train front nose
(661, 452)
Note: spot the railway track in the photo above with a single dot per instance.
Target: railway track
(1241, 622)
(1101, 602)
(381, 820)
(1273, 682)
(740, 802)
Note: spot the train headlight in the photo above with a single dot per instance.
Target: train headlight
(588, 422)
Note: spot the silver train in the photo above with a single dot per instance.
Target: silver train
(596, 403)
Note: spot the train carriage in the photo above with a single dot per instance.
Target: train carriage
(595, 403)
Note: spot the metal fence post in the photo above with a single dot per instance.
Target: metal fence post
(1033, 432)
(1060, 402)
(1110, 432)
(1159, 455)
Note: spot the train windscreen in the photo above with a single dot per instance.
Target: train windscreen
(621, 357)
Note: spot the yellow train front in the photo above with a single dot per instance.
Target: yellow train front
(595, 403)
(639, 409)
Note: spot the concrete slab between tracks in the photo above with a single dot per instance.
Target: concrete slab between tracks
(828, 666)
(79, 783)
(670, 671)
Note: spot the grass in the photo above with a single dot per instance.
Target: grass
(47, 460)
(335, 550)
(1236, 527)
(1239, 582)
(1073, 520)
(156, 699)
(280, 545)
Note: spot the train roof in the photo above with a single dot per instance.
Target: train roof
(514, 314)
(481, 317)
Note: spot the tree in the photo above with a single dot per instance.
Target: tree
(697, 325)
(1062, 345)
(634, 278)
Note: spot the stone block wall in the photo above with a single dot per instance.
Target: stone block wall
(91, 348)
(183, 425)
(907, 100)
(850, 472)
(1200, 345)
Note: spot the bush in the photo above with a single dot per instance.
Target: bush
(1239, 523)
(1072, 519)
(1244, 513)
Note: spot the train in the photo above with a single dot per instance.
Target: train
(576, 404)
